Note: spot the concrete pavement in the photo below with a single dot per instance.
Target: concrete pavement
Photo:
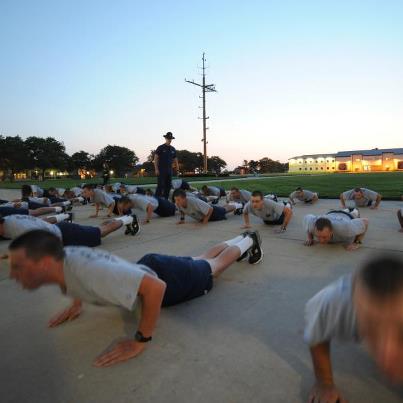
(240, 343)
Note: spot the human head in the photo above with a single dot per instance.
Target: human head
(122, 189)
(26, 191)
(52, 191)
(378, 301)
(108, 188)
(235, 193)
(257, 200)
(299, 190)
(33, 256)
(323, 230)
(125, 204)
(168, 138)
(204, 190)
(358, 193)
(88, 191)
(179, 196)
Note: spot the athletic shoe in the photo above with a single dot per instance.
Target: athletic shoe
(215, 201)
(238, 211)
(70, 219)
(255, 252)
(243, 257)
(134, 227)
(65, 209)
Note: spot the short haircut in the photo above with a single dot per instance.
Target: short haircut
(88, 186)
(257, 193)
(38, 244)
(382, 275)
(124, 200)
(322, 223)
(357, 190)
(234, 189)
(26, 190)
(179, 193)
(299, 189)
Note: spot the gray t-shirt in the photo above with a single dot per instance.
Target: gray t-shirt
(176, 183)
(16, 225)
(37, 190)
(244, 196)
(98, 277)
(330, 314)
(76, 190)
(101, 197)
(271, 210)
(369, 195)
(141, 201)
(307, 195)
(195, 208)
(345, 229)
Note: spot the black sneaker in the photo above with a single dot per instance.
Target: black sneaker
(238, 211)
(243, 257)
(134, 227)
(70, 219)
(215, 201)
(255, 252)
(65, 209)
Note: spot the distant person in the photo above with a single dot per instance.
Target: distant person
(271, 212)
(239, 195)
(105, 174)
(336, 226)
(13, 226)
(100, 198)
(199, 210)
(150, 205)
(303, 195)
(22, 208)
(38, 258)
(362, 197)
(399, 216)
(164, 158)
(214, 192)
(365, 307)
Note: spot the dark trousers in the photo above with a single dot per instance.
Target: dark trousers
(164, 184)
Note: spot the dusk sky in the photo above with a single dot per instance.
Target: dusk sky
(293, 77)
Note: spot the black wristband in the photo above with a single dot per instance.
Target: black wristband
(140, 338)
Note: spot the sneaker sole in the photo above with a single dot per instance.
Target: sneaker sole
(258, 261)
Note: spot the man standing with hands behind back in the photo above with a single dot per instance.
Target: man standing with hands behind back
(164, 157)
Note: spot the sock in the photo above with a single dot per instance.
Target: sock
(234, 241)
(126, 219)
(245, 244)
(59, 217)
(237, 205)
(80, 199)
(66, 203)
(58, 209)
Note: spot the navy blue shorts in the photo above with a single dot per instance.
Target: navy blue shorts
(34, 205)
(5, 211)
(165, 208)
(219, 214)
(3, 201)
(54, 199)
(185, 278)
(222, 191)
(279, 221)
(79, 235)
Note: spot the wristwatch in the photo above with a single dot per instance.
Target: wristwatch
(140, 338)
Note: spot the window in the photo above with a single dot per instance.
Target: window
(310, 169)
(300, 169)
(321, 168)
(327, 168)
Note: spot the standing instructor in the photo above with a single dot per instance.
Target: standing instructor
(164, 157)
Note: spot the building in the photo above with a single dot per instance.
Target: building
(375, 160)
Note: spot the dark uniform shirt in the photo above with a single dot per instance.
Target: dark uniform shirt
(166, 155)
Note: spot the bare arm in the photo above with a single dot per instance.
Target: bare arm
(309, 239)
(182, 218)
(207, 216)
(246, 220)
(157, 172)
(152, 292)
(68, 314)
(97, 206)
(110, 209)
(149, 211)
(287, 217)
(324, 390)
(342, 201)
(377, 201)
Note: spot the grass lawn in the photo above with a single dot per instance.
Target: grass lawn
(390, 184)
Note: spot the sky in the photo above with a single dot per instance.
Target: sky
(293, 77)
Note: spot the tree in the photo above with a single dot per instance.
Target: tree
(82, 160)
(189, 161)
(119, 159)
(13, 156)
(46, 153)
(216, 164)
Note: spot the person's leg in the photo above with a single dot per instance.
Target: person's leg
(237, 208)
(160, 185)
(110, 226)
(219, 214)
(400, 218)
(167, 186)
(45, 210)
(165, 208)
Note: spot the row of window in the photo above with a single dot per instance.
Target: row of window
(317, 169)
(315, 162)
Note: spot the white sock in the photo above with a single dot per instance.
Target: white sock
(234, 241)
(126, 219)
(66, 203)
(236, 205)
(80, 199)
(58, 209)
(59, 217)
(244, 244)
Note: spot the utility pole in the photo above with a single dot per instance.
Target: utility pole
(205, 88)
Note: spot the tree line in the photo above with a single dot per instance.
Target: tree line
(40, 155)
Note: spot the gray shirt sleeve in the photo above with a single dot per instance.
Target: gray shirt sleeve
(348, 195)
(101, 197)
(308, 223)
(370, 194)
(330, 314)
